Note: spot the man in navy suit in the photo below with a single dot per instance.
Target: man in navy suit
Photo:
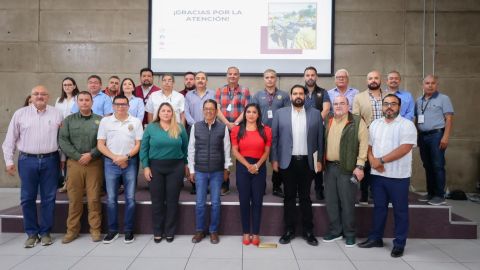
(297, 136)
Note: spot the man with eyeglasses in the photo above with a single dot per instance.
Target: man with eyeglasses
(368, 105)
(119, 137)
(33, 131)
(102, 104)
(342, 88)
(391, 139)
(434, 119)
(346, 144)
(208, 163)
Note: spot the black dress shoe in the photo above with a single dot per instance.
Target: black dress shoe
(278, 192)
(397, 252)
(371, 243)
(310, 238)
(287, 237)
(169, 239)
(157, 239)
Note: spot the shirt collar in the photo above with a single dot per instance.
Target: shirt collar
(295, 111)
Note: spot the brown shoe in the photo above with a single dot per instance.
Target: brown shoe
(198, 237)
(214, 238)
(96, 237)
(69, 237)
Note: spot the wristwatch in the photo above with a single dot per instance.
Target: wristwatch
(382, 161)
(360, 167)
(128, 156)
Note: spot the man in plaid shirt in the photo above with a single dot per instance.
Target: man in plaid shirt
(232, 99)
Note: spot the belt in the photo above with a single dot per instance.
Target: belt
(298, 157)
(39, 156)
(433, 131)
(336, 162)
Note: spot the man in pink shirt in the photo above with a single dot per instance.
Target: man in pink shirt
(33, 131)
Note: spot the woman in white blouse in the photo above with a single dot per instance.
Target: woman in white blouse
(68, 97)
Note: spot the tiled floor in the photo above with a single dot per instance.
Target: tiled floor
(231, 254)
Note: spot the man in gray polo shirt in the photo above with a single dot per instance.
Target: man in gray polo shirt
(434, 117)
(270, 100)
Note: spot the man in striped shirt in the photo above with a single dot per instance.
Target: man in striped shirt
(33, 131)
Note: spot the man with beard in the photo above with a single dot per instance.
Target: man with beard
(297, 133)
(113, 88)
(393, 87)
(189, 82)
(318, 98)
(145, 89)
(368, 105)
(434, 119)
(390, 154)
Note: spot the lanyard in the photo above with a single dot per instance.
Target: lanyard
(270, 97)
(426, 105)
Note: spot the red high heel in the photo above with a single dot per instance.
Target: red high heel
(246, 239)
(256, 240)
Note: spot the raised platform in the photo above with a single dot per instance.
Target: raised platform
(425, 221)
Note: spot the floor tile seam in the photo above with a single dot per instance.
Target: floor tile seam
(140, 252)
(346, 255)
(444, 252)
(22, 261)
(294, 256)
(190, 255)
(73, 265)
(463, 264)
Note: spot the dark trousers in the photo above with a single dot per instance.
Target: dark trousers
(340, 195)
(319, 182)
(167, 179)
(297, 178)
(276, 180)
(394, 190)
(251, 188)
(38, 175)
(365, 183)
(433, 159)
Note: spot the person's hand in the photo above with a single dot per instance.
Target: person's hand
(187, 172)
(191, 178)
(380, 168)
(275, 166)
(319, 166)
(85, 159)
(148, 174)
(118, 159)
(230, 125)
(62, 165)
(252, 169)
(11, 170)
(359, 174)
(375, 163)
(226, 175)
(123, 164)
(443, 143)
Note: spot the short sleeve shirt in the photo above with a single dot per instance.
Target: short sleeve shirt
(385, 137)
(434, 111)
(268, 102)
(102, 105)
(120, 136)
(176, 99)
(232, 101)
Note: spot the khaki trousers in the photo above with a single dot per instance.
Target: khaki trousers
(84, 179)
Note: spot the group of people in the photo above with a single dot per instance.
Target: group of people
(339, 139)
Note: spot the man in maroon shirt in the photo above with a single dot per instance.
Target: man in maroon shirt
(146, 88)
(189, 82)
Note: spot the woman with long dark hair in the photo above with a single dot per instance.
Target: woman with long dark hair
(251, 142)
(163, 154)
(136, 108)
(67, 97)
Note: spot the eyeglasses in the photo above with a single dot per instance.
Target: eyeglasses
(340, 77)
(390, 104)
(40, 94)
(121, 104)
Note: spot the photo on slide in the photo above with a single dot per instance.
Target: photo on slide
(292, 26)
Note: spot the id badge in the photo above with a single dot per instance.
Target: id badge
(421, 119)
(269, 114)
(229, 108)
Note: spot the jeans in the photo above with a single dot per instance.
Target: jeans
(202, 181)
(34, 173)
(433, 159)
(113, 175)
(392, 190)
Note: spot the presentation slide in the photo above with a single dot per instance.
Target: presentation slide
(211, 35)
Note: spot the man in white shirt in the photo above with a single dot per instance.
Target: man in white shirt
(390, 154)
(119, 139)
(167, 94)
